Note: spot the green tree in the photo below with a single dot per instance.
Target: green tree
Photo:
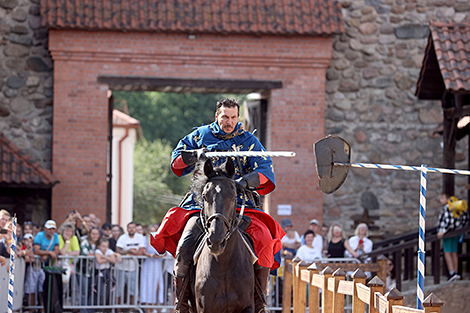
(170, 116)
(156, 188)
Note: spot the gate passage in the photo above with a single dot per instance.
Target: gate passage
(332, 156)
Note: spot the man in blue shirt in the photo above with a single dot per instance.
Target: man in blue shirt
(46, 243)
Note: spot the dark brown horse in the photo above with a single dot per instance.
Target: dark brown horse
(224, 276)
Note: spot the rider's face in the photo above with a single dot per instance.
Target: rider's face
(227, 118)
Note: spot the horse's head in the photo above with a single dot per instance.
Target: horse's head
(220, 200)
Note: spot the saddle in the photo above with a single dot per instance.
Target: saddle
(247, 240)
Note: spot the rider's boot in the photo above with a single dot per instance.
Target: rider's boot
(184, 257)
(261, 288)
(182, 296)
(186, 246)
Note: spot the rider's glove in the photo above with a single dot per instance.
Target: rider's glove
(249, 180)
(190, 157)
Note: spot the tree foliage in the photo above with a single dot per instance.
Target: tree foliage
(156, 188)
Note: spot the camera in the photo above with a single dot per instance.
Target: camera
(3, 231)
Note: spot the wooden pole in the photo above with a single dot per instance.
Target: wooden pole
(338, 298)
(382, 273)
(300, 289)
(358, 278)
(432, 304)
(375, 285)
(394, 297)
(287, 286)
(314, 293)
(327, 296)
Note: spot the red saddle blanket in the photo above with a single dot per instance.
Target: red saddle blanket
(263, 229)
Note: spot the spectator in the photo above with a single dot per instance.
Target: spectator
(36, 229)
(318, 240)
(46, 246)
(106, 231)
(28, 228)
(151, 282)
(115, 234)
(139, 229)
(46, 243)
(359, 242)
(324, 233)
(337, 243)
(390, 281)
(74, 217)
(131, 243)
(68, 246)
(35, 276)
(85, 267)
(291, 241)
(88, 224)
(104, 281)
(4, 217)
(308, 252)
(448, 222)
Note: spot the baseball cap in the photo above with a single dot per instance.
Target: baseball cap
(286, 222)
(314, 221)
(106, 226)
(28, 236)
(50, 224)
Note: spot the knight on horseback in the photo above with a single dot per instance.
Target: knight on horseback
(180, 229)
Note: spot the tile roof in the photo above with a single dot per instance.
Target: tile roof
(446, 64)
(121, 119)
(17, 170)
(275, 17)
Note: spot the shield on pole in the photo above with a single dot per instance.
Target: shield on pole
(328, 151)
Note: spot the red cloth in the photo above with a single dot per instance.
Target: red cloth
(264, 230)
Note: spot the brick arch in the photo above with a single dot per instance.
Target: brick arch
(85, 62)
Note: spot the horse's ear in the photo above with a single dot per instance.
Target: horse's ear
(230, 167)
(208, 168)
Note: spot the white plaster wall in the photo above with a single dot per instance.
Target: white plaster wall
(127, 175)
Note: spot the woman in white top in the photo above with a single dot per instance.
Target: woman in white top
(308, 252)
(360, 243)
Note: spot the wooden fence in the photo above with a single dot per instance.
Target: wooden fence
(334, 288)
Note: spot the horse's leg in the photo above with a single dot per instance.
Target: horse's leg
(261, 287)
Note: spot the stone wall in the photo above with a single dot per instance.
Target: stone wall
(25, 80)
(371, 82)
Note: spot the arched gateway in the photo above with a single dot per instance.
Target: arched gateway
(278, 48)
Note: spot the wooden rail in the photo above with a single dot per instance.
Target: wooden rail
(320, 276)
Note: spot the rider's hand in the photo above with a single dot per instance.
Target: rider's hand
(190, 157)
(248, 180)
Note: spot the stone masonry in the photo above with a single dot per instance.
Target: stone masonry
(370, 88)
(25, 80)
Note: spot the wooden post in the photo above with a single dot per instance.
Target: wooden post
(394, 297)
(432, 304)
(338, 298)
(327, 296)
(375, 285)
(287, 286)
(382, 273)
(314, 293)
(300, 289)
(359, 278)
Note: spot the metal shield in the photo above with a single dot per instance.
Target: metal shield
(328, 151)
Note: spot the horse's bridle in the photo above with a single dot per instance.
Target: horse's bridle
(233, 225)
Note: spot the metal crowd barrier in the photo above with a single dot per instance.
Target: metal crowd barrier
(124, 286)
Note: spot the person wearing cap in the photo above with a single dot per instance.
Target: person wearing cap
(291, 241)
(46, 243)
(318, 239)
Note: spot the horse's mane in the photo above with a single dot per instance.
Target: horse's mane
(199, 179)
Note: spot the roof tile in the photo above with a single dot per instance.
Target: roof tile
(18, 170)
(274, 17)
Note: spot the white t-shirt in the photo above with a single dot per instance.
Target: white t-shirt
(104, 265)
(354, 242)
(286, 239)
(126, 243)
(308, 254)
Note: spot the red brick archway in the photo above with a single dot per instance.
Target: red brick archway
(296, 111)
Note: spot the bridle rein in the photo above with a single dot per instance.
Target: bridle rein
(231, 224)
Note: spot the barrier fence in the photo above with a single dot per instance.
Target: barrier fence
(321, 279)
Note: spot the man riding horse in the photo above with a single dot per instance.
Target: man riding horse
(179, 231)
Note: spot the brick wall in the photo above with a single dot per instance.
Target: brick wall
(296, 112)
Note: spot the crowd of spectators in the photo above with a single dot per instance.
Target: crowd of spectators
(104, 268)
